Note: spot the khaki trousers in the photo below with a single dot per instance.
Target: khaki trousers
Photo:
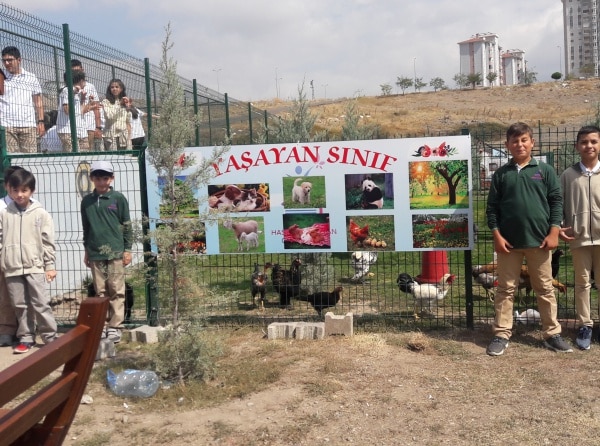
(540, 272)
(109, 281)
(585, 260)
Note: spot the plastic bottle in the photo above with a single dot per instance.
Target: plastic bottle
(136, 383)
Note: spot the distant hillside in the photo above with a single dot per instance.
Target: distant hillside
(555, 104)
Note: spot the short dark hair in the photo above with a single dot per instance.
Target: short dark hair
(8, 172)
(11, 51)
(76, 63)
(518, 129)
(50, 118)
(77, 76)
(586, 130)
(22, 178)
(101, 173)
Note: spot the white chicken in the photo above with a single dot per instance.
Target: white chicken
(362, 261)
(424, 294)
(530, 316)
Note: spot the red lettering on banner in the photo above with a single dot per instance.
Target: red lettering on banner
(305, 154)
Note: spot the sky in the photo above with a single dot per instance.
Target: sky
(266, 49)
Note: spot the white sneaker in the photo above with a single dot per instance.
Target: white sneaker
(113, 335)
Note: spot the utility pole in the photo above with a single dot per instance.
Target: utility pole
(216, 70)
(312, 87)
(415, 72)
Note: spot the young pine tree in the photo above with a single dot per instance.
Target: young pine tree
(175, 129)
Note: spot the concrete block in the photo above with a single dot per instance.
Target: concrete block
(106, 349)
(339, 325)
(281, 330)
(310, 330)
(145, 334)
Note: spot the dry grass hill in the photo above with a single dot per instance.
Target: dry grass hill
(553, 104)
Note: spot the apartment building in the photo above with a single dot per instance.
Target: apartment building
(513, 67)
(481, 54)
(581, 19)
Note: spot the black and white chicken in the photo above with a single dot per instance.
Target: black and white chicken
(424, 293)
(362, 261)
(287, 282)
(258, 284)
(323, 299)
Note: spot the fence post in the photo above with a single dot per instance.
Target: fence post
(195, 93)
(69, 79)
(250, 122)
(266, 128)
(148, 96)
(227, 123)
(151, 273)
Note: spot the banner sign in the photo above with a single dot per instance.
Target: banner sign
(409, 194)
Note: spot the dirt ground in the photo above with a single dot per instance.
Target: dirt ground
(381, 388)
(372, 389)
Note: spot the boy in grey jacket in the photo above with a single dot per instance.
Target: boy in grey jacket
(27, 258)
(581, 224)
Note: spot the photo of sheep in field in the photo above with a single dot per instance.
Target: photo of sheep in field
(241, 235)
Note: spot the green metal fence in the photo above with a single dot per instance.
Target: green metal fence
(220, 285)
(222, 282)
(46, 49)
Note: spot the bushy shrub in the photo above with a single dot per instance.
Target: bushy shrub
(187, 353)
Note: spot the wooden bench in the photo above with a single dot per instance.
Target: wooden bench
(44, 417)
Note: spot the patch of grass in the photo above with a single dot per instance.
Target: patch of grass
(99, 439)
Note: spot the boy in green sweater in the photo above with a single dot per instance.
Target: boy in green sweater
(107, 239)
(524, 213)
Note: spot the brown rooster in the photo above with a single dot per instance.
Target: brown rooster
(258, 286)
(358, 234)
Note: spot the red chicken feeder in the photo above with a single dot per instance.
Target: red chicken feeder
(434, 264)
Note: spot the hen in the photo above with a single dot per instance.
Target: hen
(489, 282)
(362, 261)
(524, 279)
(287, 282)
(358, 234)
(258, 284)
(322, 299)
(425, 293)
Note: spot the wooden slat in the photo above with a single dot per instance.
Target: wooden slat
(57, 402)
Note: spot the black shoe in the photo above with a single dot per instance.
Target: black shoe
(584, 338)
(497, 346)
(7, 340)
(558, 344)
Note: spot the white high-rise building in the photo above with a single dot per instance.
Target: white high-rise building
(581, 37)
(513, 67)
(481, 54)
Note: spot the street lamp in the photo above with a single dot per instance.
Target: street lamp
(277, 79)
(415, 72)
(559, 58)
(216, 70)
